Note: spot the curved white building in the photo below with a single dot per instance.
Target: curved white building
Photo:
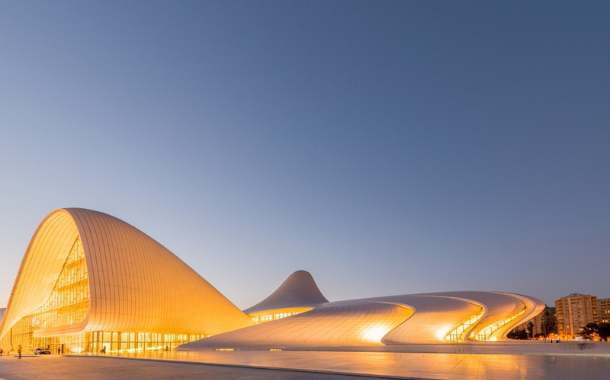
(89, 282)
(297, 294)
(404, 319)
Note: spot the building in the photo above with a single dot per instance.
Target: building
(90, 282)
(574, 312)
(298, 294)
(393, 320)
(603, 310)
(537, 321)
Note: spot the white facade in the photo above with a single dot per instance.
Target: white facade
(467, 316)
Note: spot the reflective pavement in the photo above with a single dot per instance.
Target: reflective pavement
(56, 367)
(570, 362)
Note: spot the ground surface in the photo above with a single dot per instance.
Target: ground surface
(92, 368)
(459, 362)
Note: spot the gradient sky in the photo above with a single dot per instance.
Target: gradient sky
(386, 147)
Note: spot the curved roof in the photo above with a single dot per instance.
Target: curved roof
(346, 323)
(402, 319)
(298, 290)
(135, 283)
(500, 307)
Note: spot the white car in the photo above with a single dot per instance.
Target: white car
(40, 351)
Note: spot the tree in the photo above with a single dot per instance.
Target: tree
(589, 331)
(549, 323)
(522, 335)
(604, 331)
(530, 328)
(517, 334)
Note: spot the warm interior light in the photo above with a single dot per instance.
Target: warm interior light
(375, 333)
(458, 333)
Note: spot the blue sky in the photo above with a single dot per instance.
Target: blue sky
(386, 147)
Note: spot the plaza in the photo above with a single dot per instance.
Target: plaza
(103, 310)
(535, 361)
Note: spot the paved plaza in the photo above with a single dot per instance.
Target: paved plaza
(466, 362)
(94, 368)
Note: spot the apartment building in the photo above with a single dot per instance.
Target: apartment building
(574, 312)
(603, 310)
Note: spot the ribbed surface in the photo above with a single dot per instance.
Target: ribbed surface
(136, 284)
(533, 307)
(40, 267)
(339, 323)
(347, 323)
(500, 306)
(4, 342)
(298, 290)
(434, 318)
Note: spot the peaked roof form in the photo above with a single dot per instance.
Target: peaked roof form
(298, 290)
(135, 283)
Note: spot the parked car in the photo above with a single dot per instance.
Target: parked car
(40, 351)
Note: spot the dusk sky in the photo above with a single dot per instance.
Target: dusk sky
(385, 147)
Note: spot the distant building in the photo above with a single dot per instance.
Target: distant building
(574, 312)
(603, 310)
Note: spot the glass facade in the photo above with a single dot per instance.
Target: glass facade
(119, 342)
(272, 317)
(458, 334)
(486, 333)
(68, 304)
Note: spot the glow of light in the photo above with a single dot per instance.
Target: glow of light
(493, 328)
(441, 333)
(374, 334)
(459, 331)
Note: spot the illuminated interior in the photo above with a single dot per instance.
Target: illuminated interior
(68, 305)
(272, 315)
(487, 333)
(459, 333)
(89, 282)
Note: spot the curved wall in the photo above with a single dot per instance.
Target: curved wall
(345, 323)
(40, 267)
(299, 290)
(392, 320)
(500, 307)
(435, 317)
(135, 283)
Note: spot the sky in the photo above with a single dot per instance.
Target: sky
(385, 147)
